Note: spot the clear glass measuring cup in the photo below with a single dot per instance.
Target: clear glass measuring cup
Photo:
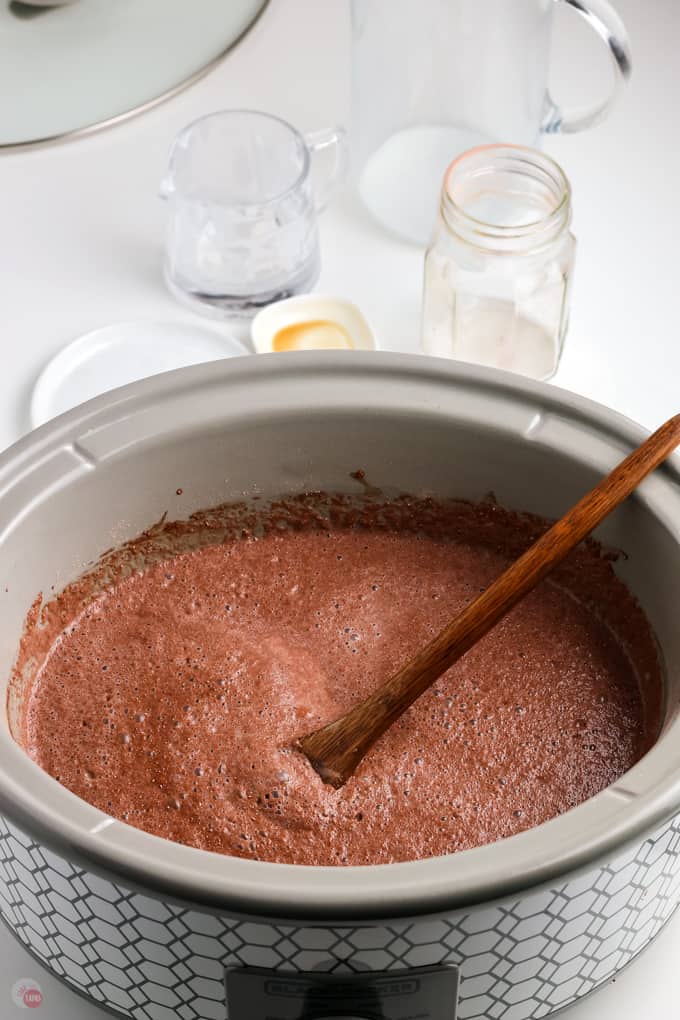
(434, 78)
(242, 228)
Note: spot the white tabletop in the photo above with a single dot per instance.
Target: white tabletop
(82, 231)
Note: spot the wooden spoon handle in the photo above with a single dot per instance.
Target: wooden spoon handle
(336, 749)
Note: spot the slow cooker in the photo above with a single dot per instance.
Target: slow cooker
(154, 930)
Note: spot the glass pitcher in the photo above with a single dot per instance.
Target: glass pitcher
(433, 78)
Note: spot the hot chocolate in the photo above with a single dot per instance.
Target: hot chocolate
(171, 696)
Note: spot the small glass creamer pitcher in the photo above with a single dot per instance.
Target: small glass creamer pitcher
(242, 228)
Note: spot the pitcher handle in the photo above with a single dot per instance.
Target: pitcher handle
(601, 16)
(319, 141)
(167, 185)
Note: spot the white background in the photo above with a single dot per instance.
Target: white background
(81, 231)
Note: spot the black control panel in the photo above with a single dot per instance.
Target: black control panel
(421, 993)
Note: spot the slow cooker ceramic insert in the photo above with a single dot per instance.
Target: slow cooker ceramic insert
(154, 930)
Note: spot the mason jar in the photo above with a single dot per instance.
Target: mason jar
(498, 270)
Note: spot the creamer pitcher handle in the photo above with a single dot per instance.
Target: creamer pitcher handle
(318, 141)
(601, 16)
(167, 186)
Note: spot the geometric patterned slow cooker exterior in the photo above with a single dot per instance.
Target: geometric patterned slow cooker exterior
(151, 960)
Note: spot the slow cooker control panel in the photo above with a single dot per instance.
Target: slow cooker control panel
(422, 993)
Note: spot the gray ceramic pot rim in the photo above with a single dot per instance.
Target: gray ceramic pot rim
(644, 798)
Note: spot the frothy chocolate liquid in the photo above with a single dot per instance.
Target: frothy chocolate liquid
(171, 699)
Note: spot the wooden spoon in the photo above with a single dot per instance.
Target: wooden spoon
(335, 750)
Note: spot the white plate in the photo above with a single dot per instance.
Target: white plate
(70, 68)
(118, 354)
